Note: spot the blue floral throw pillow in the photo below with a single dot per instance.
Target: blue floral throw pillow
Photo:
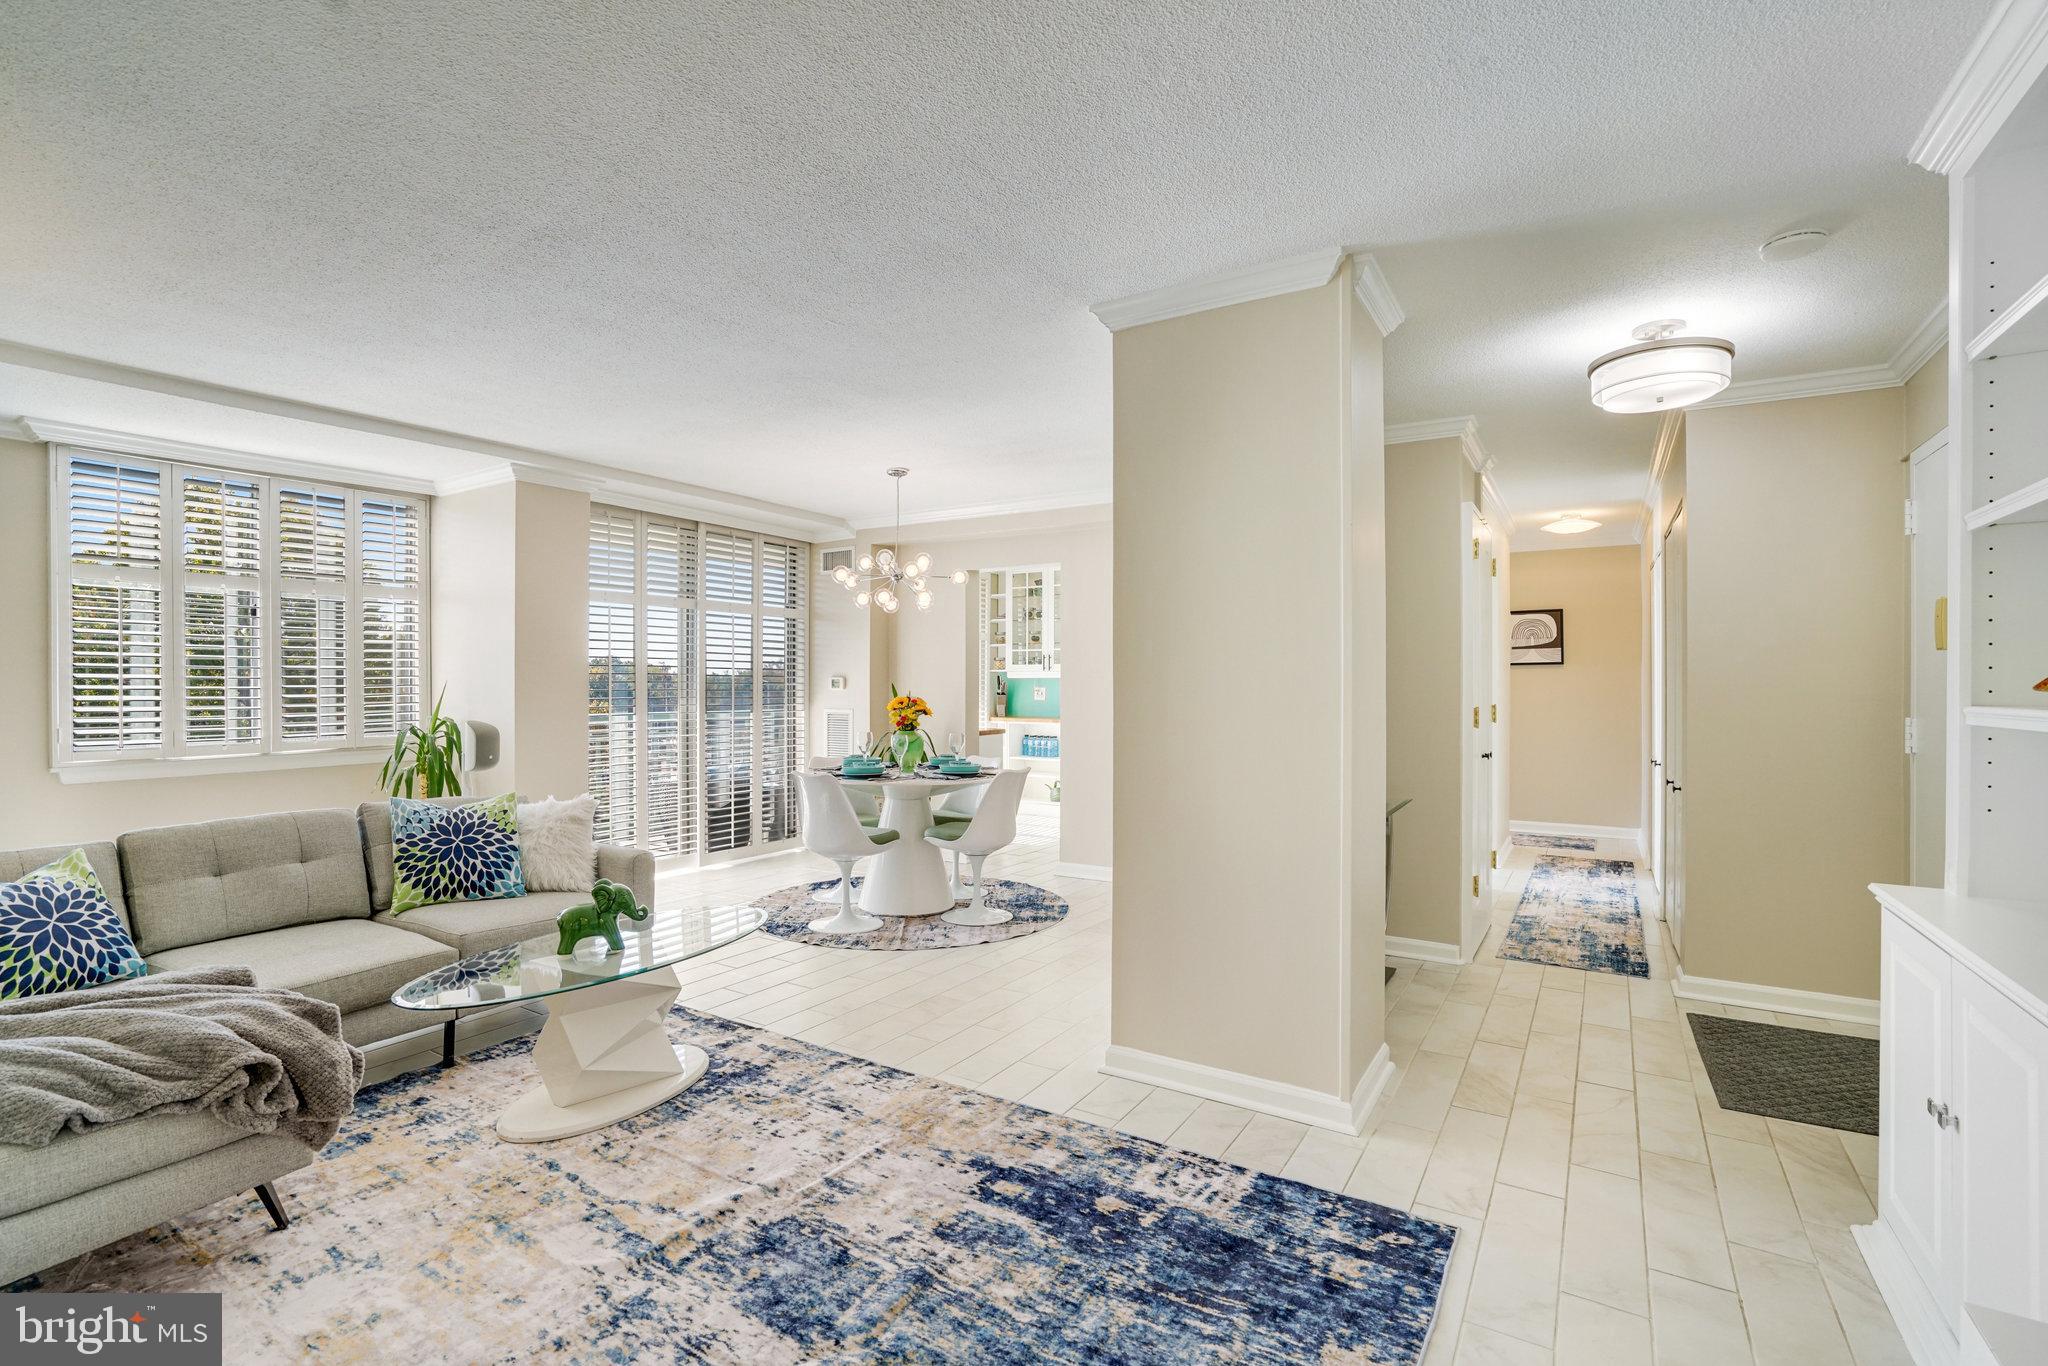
(454, 853)
(58, 932)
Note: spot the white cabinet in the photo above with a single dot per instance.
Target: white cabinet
(1963, 1120)
(1913, 1166)
(1999, 1133)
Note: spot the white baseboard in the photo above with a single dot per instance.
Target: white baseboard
(1278, 1098)
(1631, 834)
(1929, 1336)
(1854, 1009)
(1087, 872)
(1377, 1080)
(1424, 951)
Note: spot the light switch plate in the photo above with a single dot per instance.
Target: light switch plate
(1038, 694)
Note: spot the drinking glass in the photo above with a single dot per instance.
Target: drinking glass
(865, 742)
(956, 743)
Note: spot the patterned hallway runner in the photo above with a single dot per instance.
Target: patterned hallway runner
(1580, 913)
(1579, 842)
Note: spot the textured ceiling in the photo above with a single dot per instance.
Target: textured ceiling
(775, 247)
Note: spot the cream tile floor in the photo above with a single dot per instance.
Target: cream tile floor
(1609, 1211)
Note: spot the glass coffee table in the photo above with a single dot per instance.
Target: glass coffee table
(604, 1053)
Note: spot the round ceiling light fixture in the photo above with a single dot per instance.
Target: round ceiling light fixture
(1790, 246)
(1662, 370)
(1571, 524)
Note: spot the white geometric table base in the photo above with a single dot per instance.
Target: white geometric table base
(603, 1056)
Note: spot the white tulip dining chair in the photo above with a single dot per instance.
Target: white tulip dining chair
(957, 808)
(993, 827)
(867, 804)
(831, 828)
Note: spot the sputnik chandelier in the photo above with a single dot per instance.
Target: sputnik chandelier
(877, 578)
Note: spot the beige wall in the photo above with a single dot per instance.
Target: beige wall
(1426, 483)
(935, 652)
(1576, 749)
(1795, 783)
(550, 654)
(1923, 402)
(37, 809)
(1243, 913)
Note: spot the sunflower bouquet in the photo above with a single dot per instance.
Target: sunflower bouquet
(907, 742)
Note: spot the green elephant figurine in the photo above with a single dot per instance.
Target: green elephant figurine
(600, 920)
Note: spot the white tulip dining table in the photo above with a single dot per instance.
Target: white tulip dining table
(908, 875)
(604, 1054)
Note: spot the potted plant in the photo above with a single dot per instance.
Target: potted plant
(426, 760)
(906, 742)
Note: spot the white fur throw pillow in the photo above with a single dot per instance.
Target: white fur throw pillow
(556, 847)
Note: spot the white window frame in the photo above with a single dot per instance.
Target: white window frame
(174, 756)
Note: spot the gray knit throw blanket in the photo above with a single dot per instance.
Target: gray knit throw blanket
(260, 1061)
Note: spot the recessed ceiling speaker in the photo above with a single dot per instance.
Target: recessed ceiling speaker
(1790, 246)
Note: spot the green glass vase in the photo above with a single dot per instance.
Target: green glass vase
(906, 747)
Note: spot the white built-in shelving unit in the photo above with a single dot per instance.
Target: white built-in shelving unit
(1962, 1230)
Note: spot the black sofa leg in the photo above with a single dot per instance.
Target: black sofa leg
(447, 1043)
(273, 1205)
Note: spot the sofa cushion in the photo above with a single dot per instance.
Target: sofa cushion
(59, 932)
(375, 820)
(353, 963)
(190, 884)
(470, 927)
(76, 1162)
(103, 856)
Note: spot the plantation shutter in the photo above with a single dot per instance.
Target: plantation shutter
(115, 599)
(729, 689)
(784, 660)
(670, 573)
(313, 600)
(221, 520)
(614, 570)
(389, 614)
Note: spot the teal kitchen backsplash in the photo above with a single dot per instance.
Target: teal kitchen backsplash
(1022, 699)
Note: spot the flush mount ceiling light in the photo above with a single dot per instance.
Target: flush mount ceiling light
(1571, 524)
(877, 577)
(1662, 370)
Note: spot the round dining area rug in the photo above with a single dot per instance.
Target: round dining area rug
(1031, 908)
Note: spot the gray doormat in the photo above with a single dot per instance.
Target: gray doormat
(1797, 1074)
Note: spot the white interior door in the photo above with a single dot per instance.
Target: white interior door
(1656, 778)
(1497, 710)
(1928, 761)
(1479, 733)
(1672, 782)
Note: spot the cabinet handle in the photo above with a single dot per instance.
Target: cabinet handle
(1943, 1117)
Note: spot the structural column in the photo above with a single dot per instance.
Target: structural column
(1250, 688)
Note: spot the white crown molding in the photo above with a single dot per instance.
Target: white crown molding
(1919, 347)
(1052, 502)
(2010, 51)
(1373, 291)
(1815, 385)
(1310, 270)
(526, 464)
(192, 452)
(1430, 429)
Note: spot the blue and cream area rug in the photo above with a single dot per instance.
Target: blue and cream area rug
(797, 1205)
(1031, 908)
(1579, 842)
(1580, 913)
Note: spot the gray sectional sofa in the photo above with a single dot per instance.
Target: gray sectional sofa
(302, 899)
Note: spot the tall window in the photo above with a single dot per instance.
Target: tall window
(697, 694)
(208, 613)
